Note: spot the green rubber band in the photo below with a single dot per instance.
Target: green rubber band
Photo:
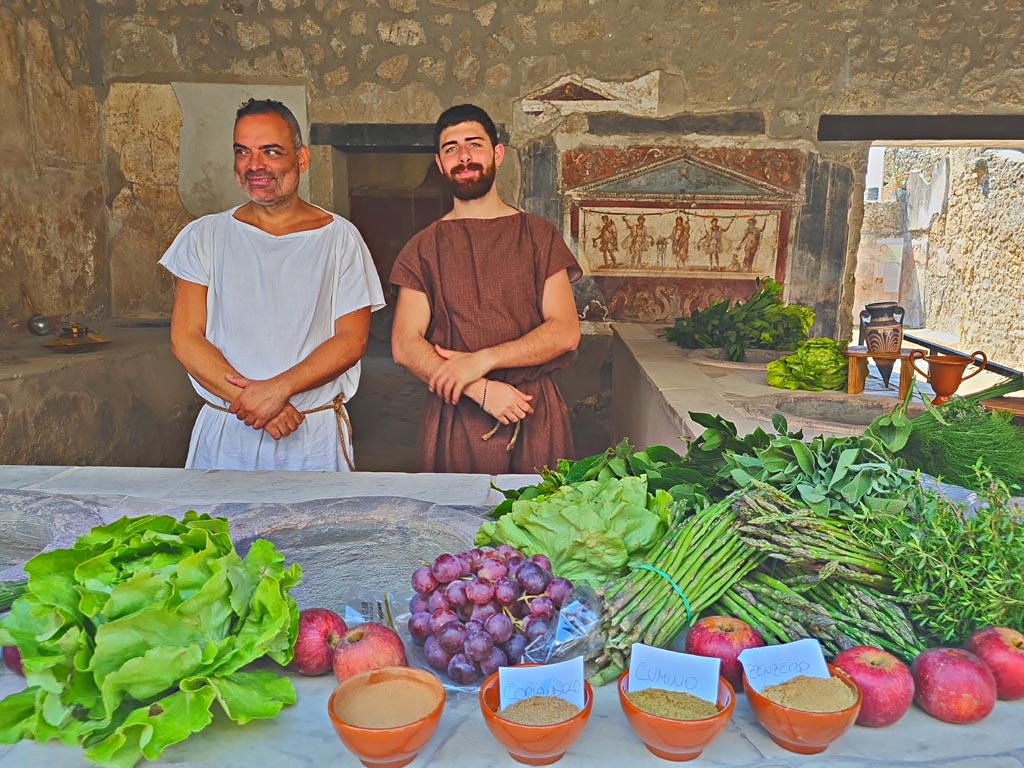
(676, 587)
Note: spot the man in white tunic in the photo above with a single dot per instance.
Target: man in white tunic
(271, 312)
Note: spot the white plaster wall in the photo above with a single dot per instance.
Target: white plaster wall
(206, 179)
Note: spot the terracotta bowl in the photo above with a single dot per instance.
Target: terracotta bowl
(379, 692)
(806, 733)
(677, 740)
(533, 744)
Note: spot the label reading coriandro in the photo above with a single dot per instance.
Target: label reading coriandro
(563, 679)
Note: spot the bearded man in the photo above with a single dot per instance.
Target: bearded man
(485, 315)
(271, 312)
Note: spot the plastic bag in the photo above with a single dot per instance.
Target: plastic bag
(576, 632)
(954, 493)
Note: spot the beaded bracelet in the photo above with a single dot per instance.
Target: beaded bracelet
(483, 400)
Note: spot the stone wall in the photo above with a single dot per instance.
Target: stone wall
(53, 227)
(92, 79)
(970, 262)
(954, 228)
(128, 404)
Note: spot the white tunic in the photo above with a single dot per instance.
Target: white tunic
(271, 300)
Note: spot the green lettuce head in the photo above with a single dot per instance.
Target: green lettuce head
(817, 364)
(131, 636)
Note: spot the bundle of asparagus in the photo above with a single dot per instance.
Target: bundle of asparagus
(839, 614)
(699, 558)
(706, 554)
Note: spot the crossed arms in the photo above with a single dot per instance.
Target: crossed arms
(450, 374)
(261, 403)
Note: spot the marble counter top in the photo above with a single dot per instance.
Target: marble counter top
(302, 735)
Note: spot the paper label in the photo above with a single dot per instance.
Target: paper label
(563, 679)
(774, 664)
(681, 672)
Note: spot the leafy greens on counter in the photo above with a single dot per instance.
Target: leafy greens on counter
(590, 531)
(817, 364)
(129, 637)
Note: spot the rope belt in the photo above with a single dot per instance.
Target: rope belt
(344, 425)
(515, 434)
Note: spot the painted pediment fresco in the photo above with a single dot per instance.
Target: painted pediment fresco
(767, 169)
(681, 177)
(572, 94)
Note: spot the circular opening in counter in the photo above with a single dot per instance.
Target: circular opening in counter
(753, 359)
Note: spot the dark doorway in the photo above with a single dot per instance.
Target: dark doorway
(390, 197)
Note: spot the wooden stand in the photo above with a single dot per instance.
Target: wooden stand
(858, 373)
(1014, 405)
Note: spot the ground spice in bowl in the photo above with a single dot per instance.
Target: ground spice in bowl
(677, 705)
(812, 694)
(387, 704)
(539, 710)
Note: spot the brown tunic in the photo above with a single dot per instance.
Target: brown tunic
(485, 279)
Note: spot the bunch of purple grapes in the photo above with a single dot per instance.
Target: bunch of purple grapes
(478, 610)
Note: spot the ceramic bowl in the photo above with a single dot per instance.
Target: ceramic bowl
(533, 744)
(677, 740)
(378, 692)
(806, 733)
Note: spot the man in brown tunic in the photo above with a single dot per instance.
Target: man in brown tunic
(485, 314)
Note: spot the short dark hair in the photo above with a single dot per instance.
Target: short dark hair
(464, 113)
(271, 107)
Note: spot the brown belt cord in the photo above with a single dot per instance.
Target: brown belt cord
(515, 434)
(344, 425)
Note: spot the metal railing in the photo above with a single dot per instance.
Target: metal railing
(936, 348)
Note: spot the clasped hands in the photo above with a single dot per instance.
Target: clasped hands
(263, 404)
(460, 369)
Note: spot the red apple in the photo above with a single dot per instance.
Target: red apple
(1002, 649)
(368, 646)
(12, 658)
(320, 630)
(885, 682)
(723, 637)
(954, 685)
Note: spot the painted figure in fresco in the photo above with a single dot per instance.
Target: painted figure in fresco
(485, 315)
(607, 241)
(750, 242)
(271, 314)
(711, 242)
(639, 240)
(681, 240)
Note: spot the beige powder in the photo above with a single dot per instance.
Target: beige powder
(812, 694)
(539, 710)
(387, 704)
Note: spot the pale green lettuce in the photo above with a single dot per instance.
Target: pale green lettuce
(817, 364)
(129, 637)
(590, 531)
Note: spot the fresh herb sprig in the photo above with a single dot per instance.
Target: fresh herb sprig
(959, 565)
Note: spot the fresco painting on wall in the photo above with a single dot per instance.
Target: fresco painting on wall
(677, 242)
(662, 231)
